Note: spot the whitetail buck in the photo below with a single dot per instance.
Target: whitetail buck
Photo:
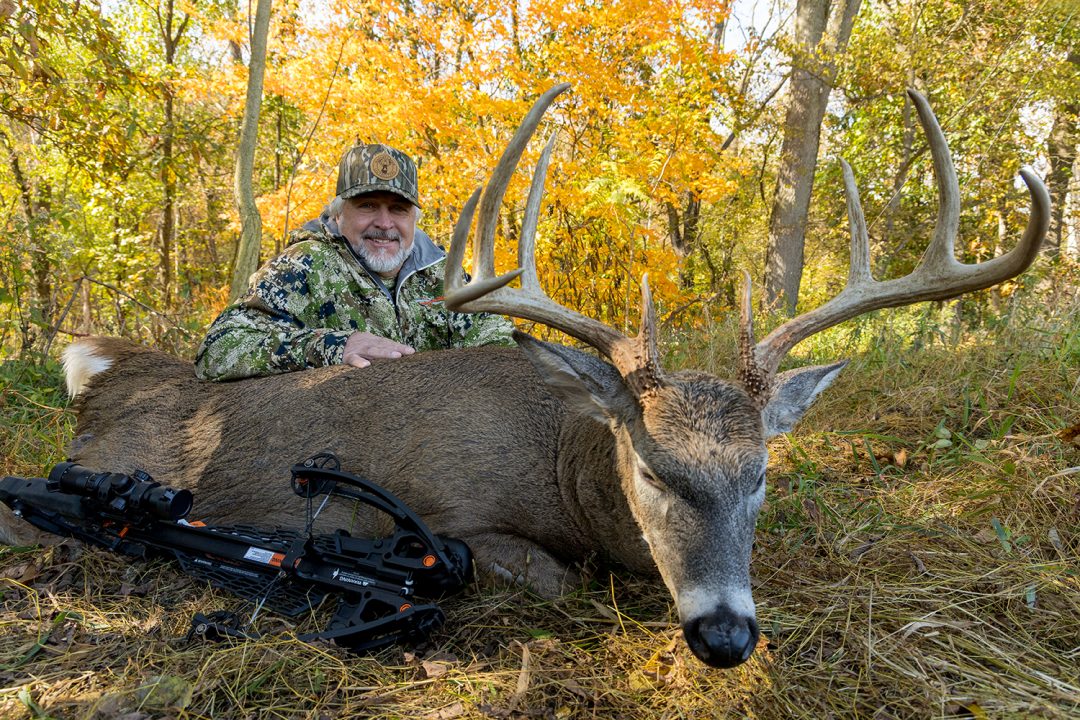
(538, 457)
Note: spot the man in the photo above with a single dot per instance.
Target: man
(359, 284)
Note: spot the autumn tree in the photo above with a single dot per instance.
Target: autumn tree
(247, 249)
(59, 64)
(822, 29)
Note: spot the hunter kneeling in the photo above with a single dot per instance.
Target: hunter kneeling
(357, 284)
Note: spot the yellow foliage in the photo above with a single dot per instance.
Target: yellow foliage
(449, 82)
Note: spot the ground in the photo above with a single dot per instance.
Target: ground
(917, 557)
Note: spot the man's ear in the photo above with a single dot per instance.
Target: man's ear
(585, 384)
(794, 391)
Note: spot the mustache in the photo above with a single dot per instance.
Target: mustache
(375, 234)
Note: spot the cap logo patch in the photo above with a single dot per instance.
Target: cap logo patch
(384, 166)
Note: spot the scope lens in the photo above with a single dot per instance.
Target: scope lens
(168, 503)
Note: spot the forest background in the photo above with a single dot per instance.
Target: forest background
(120, 123)
(917, 554)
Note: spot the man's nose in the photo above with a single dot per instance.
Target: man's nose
(383, 219)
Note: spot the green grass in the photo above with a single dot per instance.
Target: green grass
(917, 557)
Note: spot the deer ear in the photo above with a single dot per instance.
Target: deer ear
(585, 384)
(794, 391)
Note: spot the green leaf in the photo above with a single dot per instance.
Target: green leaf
(1002, 534)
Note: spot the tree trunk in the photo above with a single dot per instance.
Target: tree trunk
(36, 207)
(168, 202)
(171, 40)
(822, 29)
(684, 235)
(1061, 148)
(247, 249)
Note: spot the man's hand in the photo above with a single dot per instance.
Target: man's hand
(363, 347)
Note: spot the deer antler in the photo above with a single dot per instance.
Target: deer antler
(636, 359)
(938, 276)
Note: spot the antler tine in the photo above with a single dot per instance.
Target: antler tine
(484, 260)
(638, 359)
(940, 253)
(527, 243)
(487, 293)
(456, 256)
(939, 275)
(859, 268)
(754, 378)
(453, 283)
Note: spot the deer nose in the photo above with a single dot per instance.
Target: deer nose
(723, 639)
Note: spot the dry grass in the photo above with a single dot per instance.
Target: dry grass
(918, 558)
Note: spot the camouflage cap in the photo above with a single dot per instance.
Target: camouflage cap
(371, 168)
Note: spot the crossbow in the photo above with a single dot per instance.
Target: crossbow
(377, 582)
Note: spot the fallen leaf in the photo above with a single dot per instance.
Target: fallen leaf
(127, 589)
(575, 687)
(1070, 434)
(446, 713)
(861, 550)
(1055, 539)
(492, 711)
(976, 711)
(604, 610)
(899, 458)
(639, 681)
(434, 669)
(23, 573)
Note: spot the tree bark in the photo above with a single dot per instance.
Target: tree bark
(1061, 148)
(822, 29)
(171, 40)
(36, 203)
(247, 249)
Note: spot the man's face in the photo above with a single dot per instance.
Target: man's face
(380, 227)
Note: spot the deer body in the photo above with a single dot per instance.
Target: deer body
(411, 425)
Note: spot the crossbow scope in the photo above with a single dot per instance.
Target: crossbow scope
(125, 496)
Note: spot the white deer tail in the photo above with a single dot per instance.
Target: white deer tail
(82, 361)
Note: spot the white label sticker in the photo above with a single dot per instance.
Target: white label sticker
(259, 555)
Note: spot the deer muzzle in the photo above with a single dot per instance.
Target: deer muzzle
(723, 638)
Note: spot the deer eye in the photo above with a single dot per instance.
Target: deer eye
(759, 484)
(650, 478)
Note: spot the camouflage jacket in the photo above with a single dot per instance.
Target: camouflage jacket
(304, 304)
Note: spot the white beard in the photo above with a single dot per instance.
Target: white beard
(381, 262)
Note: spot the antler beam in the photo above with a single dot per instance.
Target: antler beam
(939, 275)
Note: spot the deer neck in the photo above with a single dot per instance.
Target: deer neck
(593, 461)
